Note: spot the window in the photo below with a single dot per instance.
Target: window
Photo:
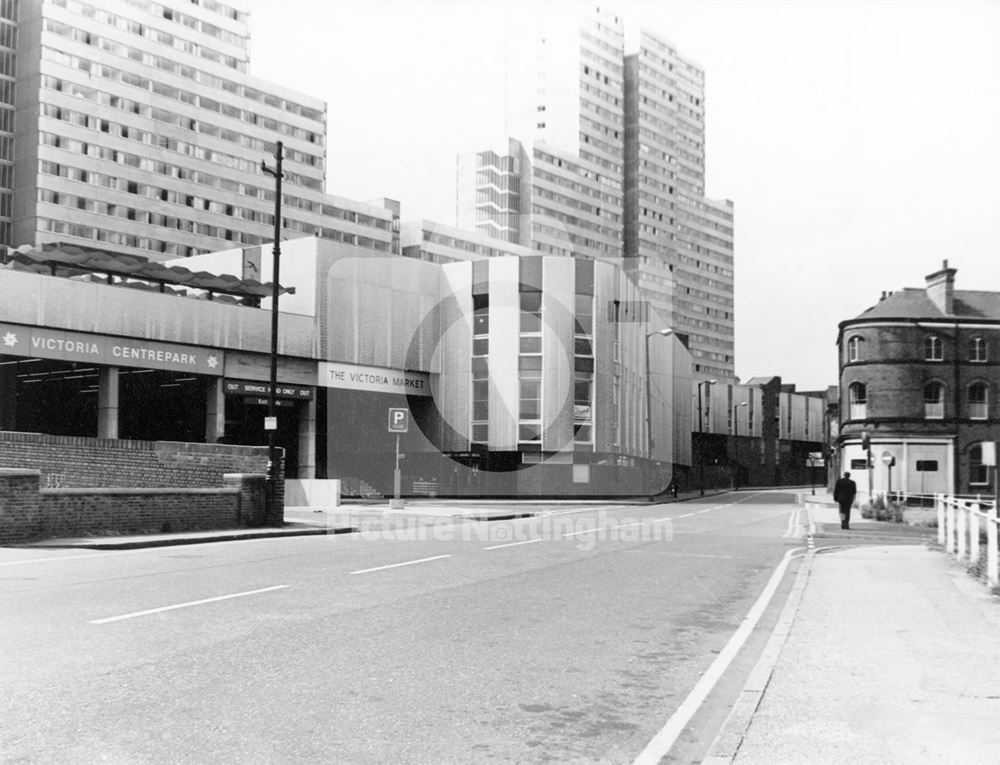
(857, 397)
(854, 349)
(977, 349)
(933, 350)
(978, 472)
(934, 401)
(480, 314)
(583, 370)
(978, 401)
(531, 312)
(480, 369)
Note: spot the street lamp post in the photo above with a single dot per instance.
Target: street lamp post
(701, 443)
(271, 424)
(649, 381)
(736, 442)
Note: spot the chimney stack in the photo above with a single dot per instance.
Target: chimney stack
(941, 288)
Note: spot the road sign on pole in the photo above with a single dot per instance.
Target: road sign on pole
(399, 420)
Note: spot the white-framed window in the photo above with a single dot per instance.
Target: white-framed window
(978, 401)
(977, 349)
(934, 401)
(933, 348)
(979, 474)
(857, 399)
(854, 348)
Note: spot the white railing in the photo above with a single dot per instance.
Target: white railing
(961, 523)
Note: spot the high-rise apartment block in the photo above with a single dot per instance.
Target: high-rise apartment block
(614, 168)
(135, 128)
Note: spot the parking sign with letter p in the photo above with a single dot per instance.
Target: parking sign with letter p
(399, 420)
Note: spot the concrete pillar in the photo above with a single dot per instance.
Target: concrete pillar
(8, 396)
(307, 440)
(107, 403)
(215, 417)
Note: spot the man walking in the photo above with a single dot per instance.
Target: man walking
(844, 492)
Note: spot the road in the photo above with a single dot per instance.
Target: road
(573, 637)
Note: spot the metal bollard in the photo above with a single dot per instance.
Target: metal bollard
(961, 531)
(939, 504)
(973, 536)
(992, 574)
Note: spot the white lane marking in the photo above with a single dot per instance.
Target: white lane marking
(662, 742)
(597, 508)
(707, 511)
(397, 565)
(514, 544)
(793, 522)
(686, 515)
(161, 609)
(587, 531)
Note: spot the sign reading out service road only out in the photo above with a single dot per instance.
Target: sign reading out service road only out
(399, 420)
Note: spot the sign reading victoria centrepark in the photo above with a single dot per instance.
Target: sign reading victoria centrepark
(43, 343)
(374, 379)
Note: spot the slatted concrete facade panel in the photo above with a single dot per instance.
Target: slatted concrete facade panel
(559, 280)
(503, 359)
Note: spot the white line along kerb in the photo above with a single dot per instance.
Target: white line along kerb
(161, 609)
(661, 743)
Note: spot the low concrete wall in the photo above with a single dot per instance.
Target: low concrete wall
(28, 513)
(312, 492)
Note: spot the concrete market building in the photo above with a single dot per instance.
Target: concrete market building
(523, 375)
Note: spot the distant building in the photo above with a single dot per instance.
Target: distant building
(920, 380)
(609, 163)
(678, 243)
(438, 243)
(134, 127)
(760, 433)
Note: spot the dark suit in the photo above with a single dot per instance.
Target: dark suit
(844, 492)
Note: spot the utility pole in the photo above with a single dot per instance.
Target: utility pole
(271, 423)
(701, 438)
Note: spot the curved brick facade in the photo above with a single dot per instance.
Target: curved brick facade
(929, 364)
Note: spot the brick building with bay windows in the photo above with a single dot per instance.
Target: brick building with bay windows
(920, 379)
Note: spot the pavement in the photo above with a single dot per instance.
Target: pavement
(884, 653)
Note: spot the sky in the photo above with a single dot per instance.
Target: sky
(858, 139)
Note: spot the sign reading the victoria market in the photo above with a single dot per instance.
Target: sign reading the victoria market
(63, 345)
(374, 379)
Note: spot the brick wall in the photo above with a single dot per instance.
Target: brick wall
(20, 514)
(71, 462)
(28, 512)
